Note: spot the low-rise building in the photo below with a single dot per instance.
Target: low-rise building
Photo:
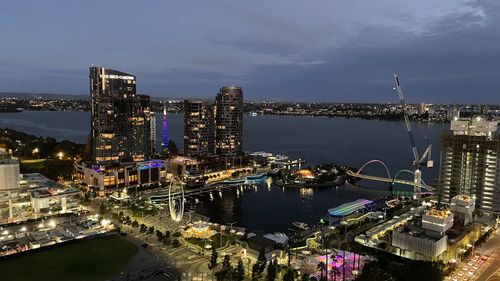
(417, 246)
(121, 176)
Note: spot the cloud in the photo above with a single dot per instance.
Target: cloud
(343, 50)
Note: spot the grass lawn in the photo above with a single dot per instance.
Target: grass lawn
(87, 260)
(52, 168)
(214, 241)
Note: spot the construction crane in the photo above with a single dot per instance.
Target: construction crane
(418, 161)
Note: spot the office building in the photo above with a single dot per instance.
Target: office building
(199, 134)
(229, 121)
(9, 171)
(120, 128)
(470, 163)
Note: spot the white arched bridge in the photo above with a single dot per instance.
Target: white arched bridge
(389, 179)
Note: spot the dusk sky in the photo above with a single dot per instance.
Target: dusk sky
(444, 51)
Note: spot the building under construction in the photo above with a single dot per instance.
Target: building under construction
(470, 163)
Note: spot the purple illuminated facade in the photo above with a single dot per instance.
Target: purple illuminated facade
(164, 133)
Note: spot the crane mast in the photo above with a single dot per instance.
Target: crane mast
(418, 161)
(407, 120)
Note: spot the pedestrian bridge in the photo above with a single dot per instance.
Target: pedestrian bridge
(388, 179)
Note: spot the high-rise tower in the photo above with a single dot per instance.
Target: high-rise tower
(229, 121)
(470, 163)
(199, 135)
(164, 133)
(119, 118)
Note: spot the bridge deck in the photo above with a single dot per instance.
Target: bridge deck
(382, 179)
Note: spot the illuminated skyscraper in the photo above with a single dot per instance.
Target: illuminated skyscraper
(229, 121)
(120, 124)
(164, 133)
(470, 163)
(199, 132)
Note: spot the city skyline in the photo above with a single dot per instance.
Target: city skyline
(332, 52)
(236, 140)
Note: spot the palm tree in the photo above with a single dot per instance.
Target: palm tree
(322, 268)
(334, 272)
(334, 268)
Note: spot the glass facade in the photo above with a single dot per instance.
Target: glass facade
(120, 119)
(199, 134)
(229, 121)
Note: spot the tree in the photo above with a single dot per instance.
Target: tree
(213, 260)
(239, 272)
(128, 220)
(288, 276)
(102, 209)
(261, 260)
(322, 268)
(144, 228)
(226, 265)
(255, 271)
(335, 272)
(226, 272)
(151, 230)
(305, 277)
(159, 234)
(176, 243)
(135, 223)
(271, 270)
(166, 238)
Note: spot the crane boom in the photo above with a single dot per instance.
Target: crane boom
(418, 161)
(416, 158)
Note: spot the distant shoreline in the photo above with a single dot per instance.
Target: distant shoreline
(360, 117)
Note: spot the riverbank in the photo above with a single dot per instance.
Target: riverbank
(281, 183)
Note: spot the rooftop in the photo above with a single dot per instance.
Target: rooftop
(463, 197)
(349, 208)
(442, 214)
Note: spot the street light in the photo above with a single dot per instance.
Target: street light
(60, 155)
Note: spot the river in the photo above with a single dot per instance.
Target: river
(318, 140)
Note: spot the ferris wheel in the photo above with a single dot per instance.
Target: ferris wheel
(176, 202)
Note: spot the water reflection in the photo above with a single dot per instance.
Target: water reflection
(273, 208)
(306, 192)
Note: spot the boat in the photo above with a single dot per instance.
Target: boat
(194, 183)
(300, 225)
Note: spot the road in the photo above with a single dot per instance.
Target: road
(482, 264)
(147, 261)
(492, 248)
